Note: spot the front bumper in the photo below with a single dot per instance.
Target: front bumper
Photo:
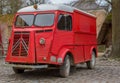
(26, 66)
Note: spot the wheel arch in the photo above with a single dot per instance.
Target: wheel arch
(64, 52)
(94, 50)
(71, 58)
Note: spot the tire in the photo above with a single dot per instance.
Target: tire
(91, 63)
(18, 70)
(65, 67)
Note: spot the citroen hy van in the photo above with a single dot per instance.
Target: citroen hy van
(48, 35)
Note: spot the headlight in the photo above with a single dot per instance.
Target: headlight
(42, 41)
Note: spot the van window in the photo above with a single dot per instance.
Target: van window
(65, 22)
(44, 20)
(24, 20)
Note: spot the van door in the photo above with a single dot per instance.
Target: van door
(63, 36)
(44, 36)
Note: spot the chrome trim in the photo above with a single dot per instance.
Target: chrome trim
(26, 66)
(15, 45)
(24, 45)
(21, 41)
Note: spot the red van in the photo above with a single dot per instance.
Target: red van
(52, 36)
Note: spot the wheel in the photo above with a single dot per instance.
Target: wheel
(65, 67)
(91, 63)
(18, 70)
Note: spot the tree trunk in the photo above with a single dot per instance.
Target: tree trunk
(116, 28)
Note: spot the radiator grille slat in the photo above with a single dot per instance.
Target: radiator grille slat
(20, 44)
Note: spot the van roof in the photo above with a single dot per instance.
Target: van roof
(48, 7)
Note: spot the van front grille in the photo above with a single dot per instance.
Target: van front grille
(20, 44)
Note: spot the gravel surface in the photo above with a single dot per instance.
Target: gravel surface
(105, 72)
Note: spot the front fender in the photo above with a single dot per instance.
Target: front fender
(62, 54)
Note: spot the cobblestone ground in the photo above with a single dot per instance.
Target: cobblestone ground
(105, 72)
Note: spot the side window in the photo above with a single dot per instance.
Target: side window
(65, 22)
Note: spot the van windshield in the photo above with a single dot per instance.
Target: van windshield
(44, 20)
(40, 20)
(24, 20)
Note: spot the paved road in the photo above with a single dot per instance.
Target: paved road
(105, 72)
